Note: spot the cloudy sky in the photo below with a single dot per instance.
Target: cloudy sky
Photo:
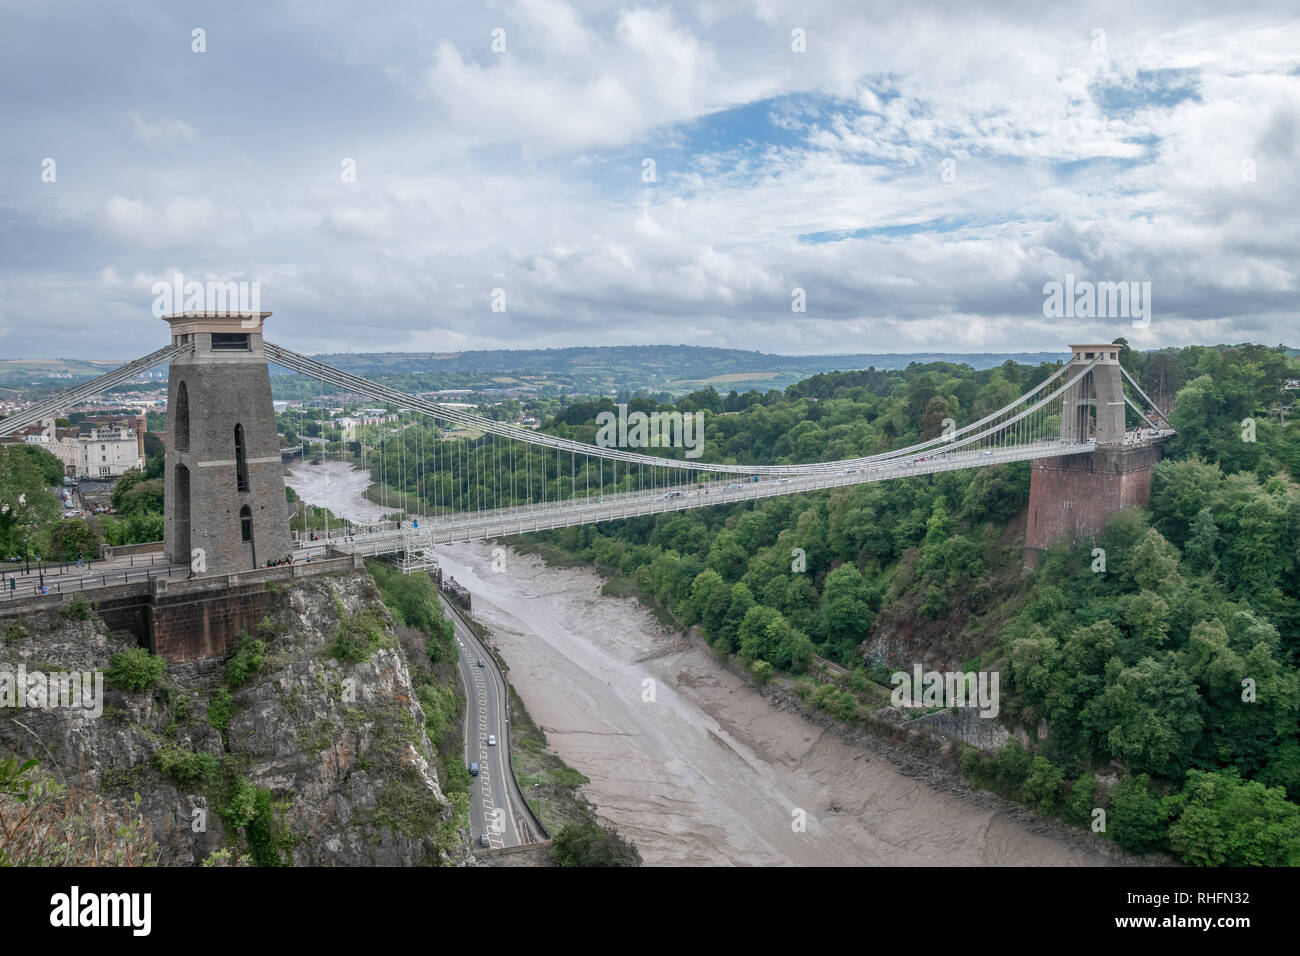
(656, 173)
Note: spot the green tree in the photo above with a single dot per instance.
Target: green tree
(1082, 801)
(27, 509)
(1148, 716)
(1043, 786)
(742, 599)
(72, 539)
(1200, 549)
(1223, 820)
(1136, 819)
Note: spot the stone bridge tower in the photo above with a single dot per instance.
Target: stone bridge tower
(1094, 405)
(225, 508)
(1072, 497)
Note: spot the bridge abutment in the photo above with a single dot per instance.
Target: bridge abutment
(1071, 498)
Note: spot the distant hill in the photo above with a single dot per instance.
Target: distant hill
(601, 370)
(605, 369)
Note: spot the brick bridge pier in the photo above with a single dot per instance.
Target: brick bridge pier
(1072, 497)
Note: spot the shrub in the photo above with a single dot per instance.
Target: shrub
(1079, 806)
(935, 605)
(48, 824)
(247, 659)
(762, 671)
(358, 635)
(590, 844)
(185, 766)
(78, 609)
(220, 709)
(136, 669)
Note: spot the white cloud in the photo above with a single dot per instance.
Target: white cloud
(163, 132)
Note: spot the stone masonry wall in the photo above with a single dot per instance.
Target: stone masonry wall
(1071, 498)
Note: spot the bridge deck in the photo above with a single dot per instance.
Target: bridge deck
(502, 522)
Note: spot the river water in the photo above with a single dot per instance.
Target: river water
(687, 760)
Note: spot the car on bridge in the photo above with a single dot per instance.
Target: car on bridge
(484, 841)
(672, 494)
(492, 740)
(473, 770)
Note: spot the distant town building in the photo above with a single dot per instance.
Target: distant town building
(108, 448)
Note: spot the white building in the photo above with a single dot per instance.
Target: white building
(62, 443)
(106, 450)
(109, 451)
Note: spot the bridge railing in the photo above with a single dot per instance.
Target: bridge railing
(13, 589)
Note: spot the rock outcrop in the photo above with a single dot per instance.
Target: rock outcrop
(308, 760)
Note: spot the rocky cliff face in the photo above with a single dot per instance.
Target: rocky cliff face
(309, 760)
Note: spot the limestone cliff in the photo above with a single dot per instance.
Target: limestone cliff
(308, 748)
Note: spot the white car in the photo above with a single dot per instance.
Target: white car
(492, 740)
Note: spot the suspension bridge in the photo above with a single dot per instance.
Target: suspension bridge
(225, 496)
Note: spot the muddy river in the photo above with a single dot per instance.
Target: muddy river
(686, 759)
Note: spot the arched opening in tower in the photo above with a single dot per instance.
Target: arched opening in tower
(181, 421)
(241, 464)
(181, 516)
